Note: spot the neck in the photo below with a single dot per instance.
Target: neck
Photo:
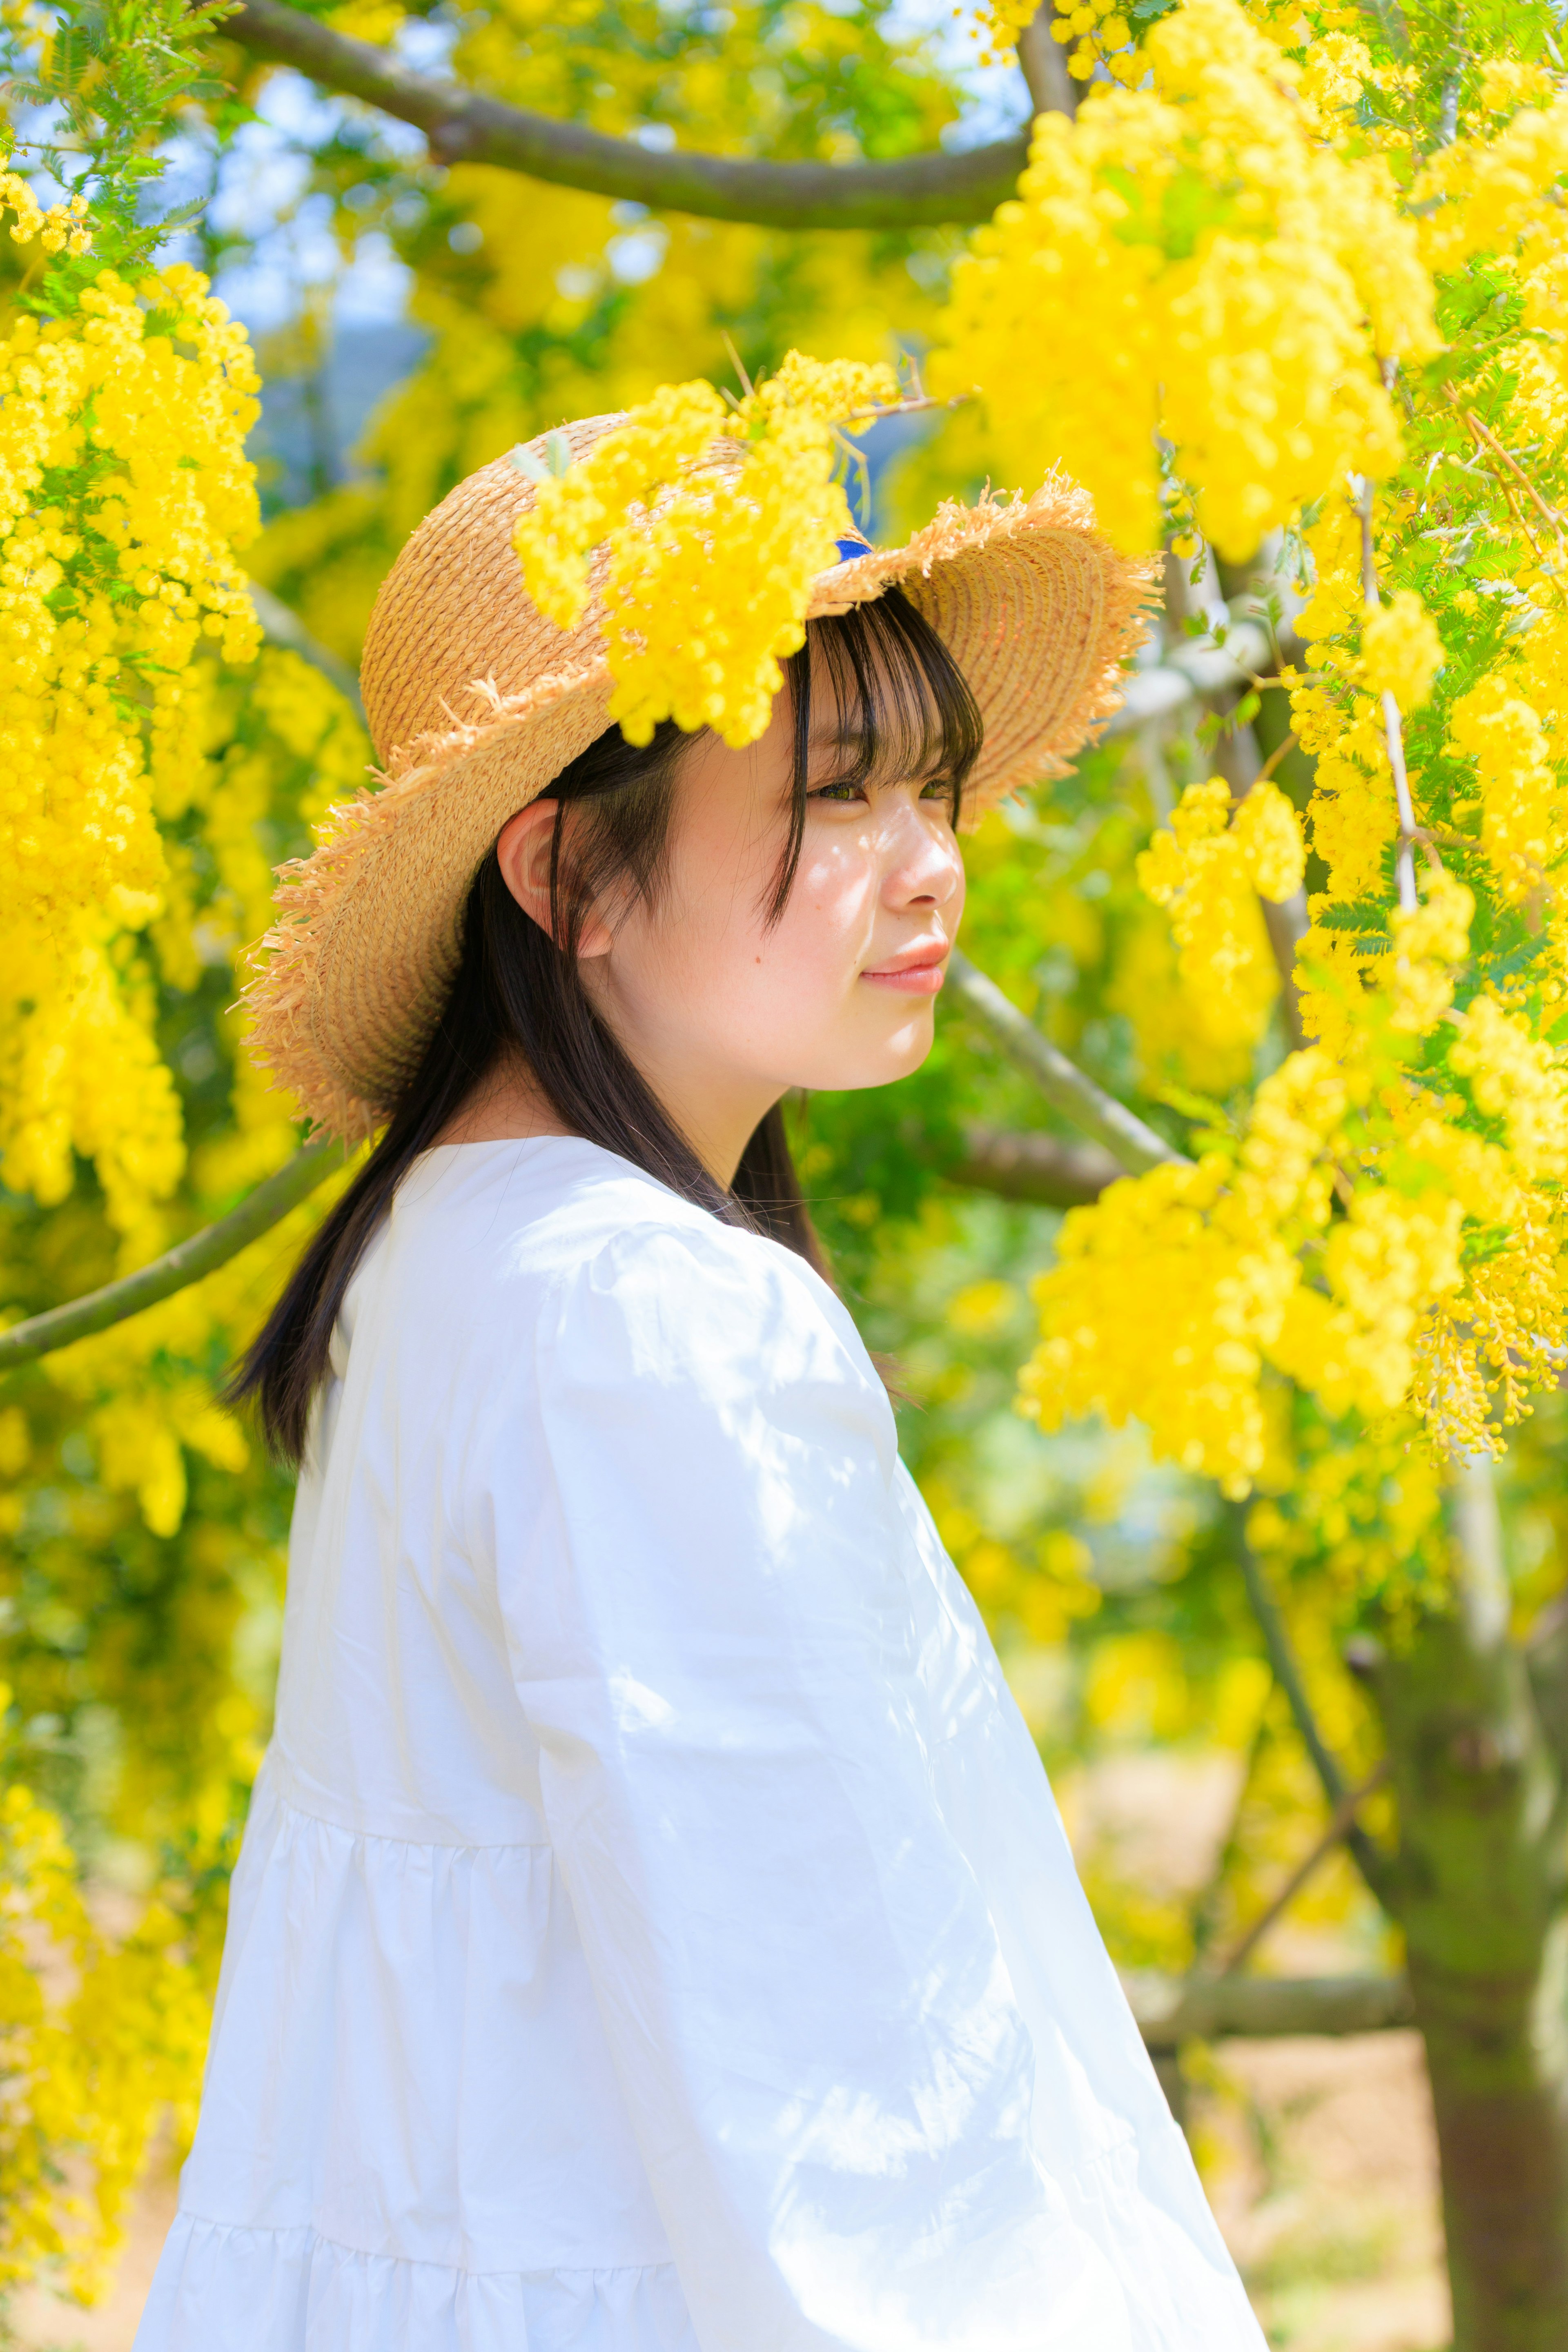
(714, 1106)
(717, 1129)
(509, 1104)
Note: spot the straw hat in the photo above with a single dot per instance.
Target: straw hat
(476, 702)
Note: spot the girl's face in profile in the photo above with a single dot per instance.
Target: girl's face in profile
(724, 1011)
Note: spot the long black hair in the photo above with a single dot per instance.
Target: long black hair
(903, 706)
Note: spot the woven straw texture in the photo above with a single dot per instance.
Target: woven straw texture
(476, 702)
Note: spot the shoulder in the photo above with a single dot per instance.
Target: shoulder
(538, 1203)
(712, 1368)
(606, 1266)
(671, 1319)
(689, 1299)
(488, 1230)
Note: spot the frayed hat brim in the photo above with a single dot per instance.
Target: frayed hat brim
(1038, 610)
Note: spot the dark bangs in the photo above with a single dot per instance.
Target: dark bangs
(876, 688)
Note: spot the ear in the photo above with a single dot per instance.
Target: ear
(523, 853)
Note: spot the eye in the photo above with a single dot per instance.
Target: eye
(848, 790)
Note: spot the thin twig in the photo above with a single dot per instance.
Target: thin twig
(1508, 500)
(738, 364)
(1340, 1821)
(1281, 750)
(1287, 1675)
(1394, 733)
(1208, 1901)
(1484, 432)
(911, 407)
(1395, 736)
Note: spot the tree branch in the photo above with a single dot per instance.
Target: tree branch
(1043, 60)
(1134, 1147)
(1202, 2008)
(1340, 1821)
(463, 126)
(1040, 1168)
(1032, 1167)
(201, 1253)
(1287, 1675)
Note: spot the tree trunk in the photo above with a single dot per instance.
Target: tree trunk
(1478, 1891)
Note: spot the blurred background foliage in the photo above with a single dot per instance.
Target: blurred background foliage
(144, 1532)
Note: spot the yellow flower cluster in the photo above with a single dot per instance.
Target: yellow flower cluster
(1518, 1080)
(1229, 255)
(1209, 869)
(1524, 823)
(63, 229)
(1258, 1262)
(1492, 1321)
(1330, 1242)
(1401, 650)
(1490, 192)
(1193, 260)
(133, 410)
(714, 522)
(1214, 1245)
(1173, 1035)
(91, 2073)
(1430, 941)
(1097, 32)
(81, 1071)
(102, 2069)
(1001, 24)
(1386, 1233)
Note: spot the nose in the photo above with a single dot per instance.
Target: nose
(923, 866)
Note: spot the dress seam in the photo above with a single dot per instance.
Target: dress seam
(278, 1776)
(423, 2262)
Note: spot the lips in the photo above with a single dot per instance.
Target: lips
(919, 971)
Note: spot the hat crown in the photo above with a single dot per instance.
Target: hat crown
(452, 613)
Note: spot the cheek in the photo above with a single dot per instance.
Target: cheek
(776, 999)
(834, 901)
(825, 931)
(721, 936)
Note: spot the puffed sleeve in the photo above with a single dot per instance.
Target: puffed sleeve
(812, 2024)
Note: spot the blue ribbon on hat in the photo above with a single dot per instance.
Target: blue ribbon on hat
(848, 549)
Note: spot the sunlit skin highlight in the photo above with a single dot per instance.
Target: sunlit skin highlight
(722, 1013)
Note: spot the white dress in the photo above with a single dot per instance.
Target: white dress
(654, 1931)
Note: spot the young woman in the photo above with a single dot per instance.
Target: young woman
(654, 1932)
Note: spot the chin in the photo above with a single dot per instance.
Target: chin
(882, 1064)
